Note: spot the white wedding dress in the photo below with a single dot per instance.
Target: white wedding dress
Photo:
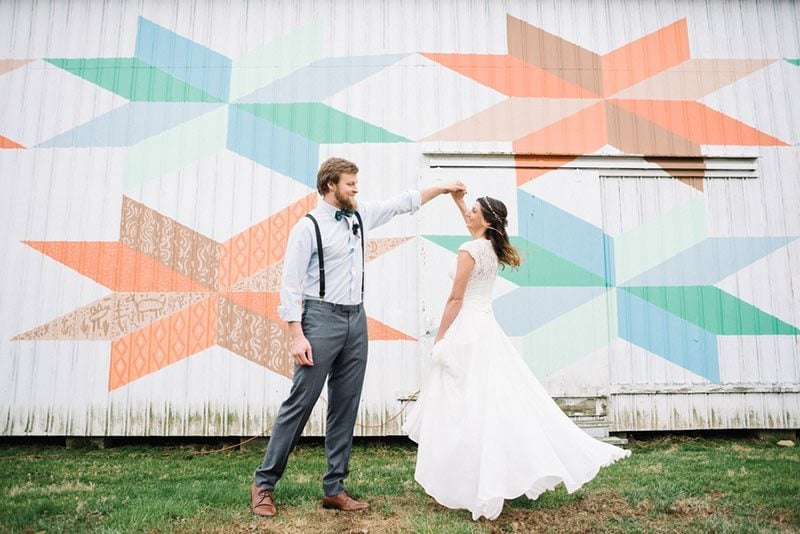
(486, 428)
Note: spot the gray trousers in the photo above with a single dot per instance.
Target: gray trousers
(338, 337)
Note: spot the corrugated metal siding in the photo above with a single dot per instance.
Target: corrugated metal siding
(758, 375)
(179, 173)
(692, 411)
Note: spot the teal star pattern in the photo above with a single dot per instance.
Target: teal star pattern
(579, 289)
(187, 101)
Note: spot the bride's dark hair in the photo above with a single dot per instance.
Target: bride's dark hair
(495, 214)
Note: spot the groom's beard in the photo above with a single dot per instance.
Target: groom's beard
(344, 201)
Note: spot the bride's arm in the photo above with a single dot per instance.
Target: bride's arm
(458, 198)
(456, 298)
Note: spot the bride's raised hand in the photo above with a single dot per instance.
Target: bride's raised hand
(453, 187)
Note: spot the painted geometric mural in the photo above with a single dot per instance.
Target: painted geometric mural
(176, 292)
(181, 94)
(575, 275)
(565, 100)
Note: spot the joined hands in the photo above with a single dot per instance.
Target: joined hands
(455, 187)
(458, 191)
(458, 195)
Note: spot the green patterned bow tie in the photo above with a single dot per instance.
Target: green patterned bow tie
(342, 213)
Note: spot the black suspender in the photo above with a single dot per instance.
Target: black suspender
(361, 225)
(322, 256)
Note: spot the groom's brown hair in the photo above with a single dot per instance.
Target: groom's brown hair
(331, 170)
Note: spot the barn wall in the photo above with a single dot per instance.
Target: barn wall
(153, 156)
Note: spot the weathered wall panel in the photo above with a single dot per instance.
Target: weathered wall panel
(154, 154)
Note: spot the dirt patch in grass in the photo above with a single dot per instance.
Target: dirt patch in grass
(695, 507)
(651, 468)
(671, 449)
(786, 520)
(384, 515)
(319, 523)
(30, 488)
(603, 512)
(586, 515)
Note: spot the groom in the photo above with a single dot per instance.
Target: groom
(322, 289)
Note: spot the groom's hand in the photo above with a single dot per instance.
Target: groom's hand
(455, 186)
(300, 350)
(433, 192)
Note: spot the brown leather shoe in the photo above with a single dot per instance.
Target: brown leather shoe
(344, 502)
(261, 502)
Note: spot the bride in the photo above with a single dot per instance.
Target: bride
(486, 429)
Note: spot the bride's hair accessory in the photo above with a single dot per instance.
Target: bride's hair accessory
(489, 207)
(506, 253)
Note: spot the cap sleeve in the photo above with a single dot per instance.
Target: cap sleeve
(469, 247)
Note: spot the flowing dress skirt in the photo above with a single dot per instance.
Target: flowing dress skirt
(487, 430)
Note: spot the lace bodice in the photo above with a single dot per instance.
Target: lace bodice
(484, 272)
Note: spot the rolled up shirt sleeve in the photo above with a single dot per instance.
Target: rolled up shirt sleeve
(295, 264)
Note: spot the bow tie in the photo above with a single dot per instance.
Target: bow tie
(342, 213)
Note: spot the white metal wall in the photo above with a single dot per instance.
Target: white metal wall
(183, 163)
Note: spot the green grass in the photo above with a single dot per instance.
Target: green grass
(669, 484)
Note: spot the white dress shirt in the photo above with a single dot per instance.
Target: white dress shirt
(341, 249)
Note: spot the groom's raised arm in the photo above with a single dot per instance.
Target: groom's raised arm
(379, 213)
(433, 192)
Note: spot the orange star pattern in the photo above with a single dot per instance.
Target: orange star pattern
(566, 101)
(178, 292)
